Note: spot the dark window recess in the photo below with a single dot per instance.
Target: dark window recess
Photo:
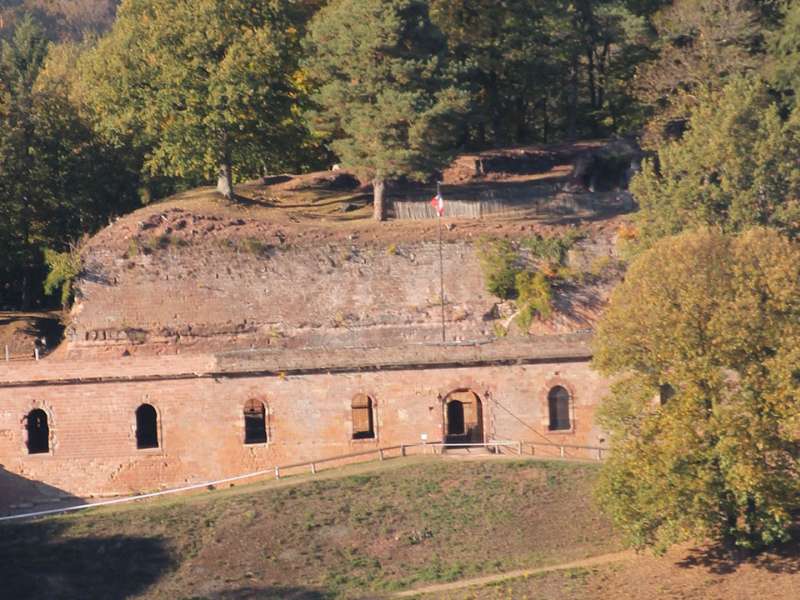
(558, 402)
(146, 427)
(38, 432)
(255, 422)
(665, 393)
(363, 418)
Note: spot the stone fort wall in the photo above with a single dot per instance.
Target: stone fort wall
(201, 425)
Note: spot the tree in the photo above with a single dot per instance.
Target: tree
(61, 19)
(540, 70)
(382, 90)
(711, 324)
(702, 43)
(205, 86)
(784, 46)
(738, 165)
(58, 181)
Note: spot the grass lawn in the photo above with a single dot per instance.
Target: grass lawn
(363, 531)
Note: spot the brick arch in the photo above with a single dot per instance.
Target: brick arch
(463, 419)
(26, 430)
(255, 414)
(364, 417)
(544, 403)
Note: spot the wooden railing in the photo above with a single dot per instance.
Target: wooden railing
(564, 451)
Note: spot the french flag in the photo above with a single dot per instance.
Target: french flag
(438, 204)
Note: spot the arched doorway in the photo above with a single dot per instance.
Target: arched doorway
(463, 418)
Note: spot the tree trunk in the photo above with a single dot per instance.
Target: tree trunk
(378, 192)
(225, 180)
(572, 100)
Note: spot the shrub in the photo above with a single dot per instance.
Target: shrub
(499, 266)
(64, 268)
(535, 297)
(554, 249)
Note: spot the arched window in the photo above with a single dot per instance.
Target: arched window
(665, 393)
(558, 403)
(363, 418)
(146, 427)
(255, 422)
(38, 432)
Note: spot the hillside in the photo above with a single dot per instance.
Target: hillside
(363, 531)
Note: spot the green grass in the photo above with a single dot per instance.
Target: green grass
(382, 528)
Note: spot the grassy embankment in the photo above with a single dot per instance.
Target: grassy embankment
(363, 531)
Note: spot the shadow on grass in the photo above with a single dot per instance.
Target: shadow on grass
(268, 593)
(40, 560)
(717, 559)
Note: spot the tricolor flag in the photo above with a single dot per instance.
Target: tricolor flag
(438, 204)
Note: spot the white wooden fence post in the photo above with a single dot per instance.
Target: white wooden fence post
(277, 472)
(561, 448)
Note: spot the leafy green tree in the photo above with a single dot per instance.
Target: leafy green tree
(205, 86)
(542, 70)
(57, 179)
(382, 90)
(710, 323)
(738, 165)
(701, 44)
(784, 47)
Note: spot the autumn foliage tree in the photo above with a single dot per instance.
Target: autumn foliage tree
(382, 91)
(716, 318)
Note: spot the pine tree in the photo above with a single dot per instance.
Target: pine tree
(702, 44)
(382, 90)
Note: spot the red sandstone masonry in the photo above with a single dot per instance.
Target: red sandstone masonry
(93, 448)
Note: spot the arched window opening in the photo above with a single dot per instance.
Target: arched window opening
(363, 418)
(146, 427)
(255, 422)
(665, 393)
(38, 432)
(558, 401)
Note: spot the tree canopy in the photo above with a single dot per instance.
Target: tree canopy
(382, 90)
(701, 44)
(58, 179)
(205, 86)
(719, 456)
(738, 165)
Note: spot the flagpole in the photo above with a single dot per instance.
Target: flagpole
(441, 261)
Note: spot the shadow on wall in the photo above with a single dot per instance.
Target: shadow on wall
(42, 559)
(20, 495)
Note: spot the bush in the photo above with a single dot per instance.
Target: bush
(554, 249)
(535, 297)
(499, 264)
(64, 268)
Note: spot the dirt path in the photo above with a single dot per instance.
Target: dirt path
(465, 583)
